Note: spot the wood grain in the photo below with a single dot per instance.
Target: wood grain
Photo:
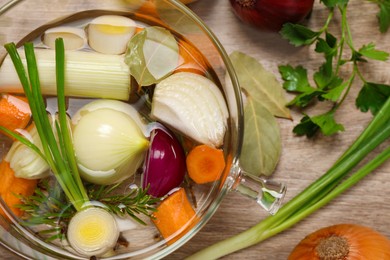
(302, 160)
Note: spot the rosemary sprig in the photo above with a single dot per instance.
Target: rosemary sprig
(49, 206)
(131, 203)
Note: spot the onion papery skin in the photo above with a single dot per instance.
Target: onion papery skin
(164, 167)
(271, 14)
(363, 243)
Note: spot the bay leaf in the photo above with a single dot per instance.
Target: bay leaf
(260, 84)
(262, 143)
(152, 55)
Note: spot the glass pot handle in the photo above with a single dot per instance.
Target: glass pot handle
(268, 194)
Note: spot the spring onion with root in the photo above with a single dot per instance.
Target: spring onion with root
(319, 193)
(60, 155)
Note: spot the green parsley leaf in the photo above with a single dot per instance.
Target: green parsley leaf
(328, 46)
(324, 122)
(304, 99)
(370, 52)
(306, 127)
(334, 3)
(372, 96)
(298, 35)
(384, 15)
(335, 93)
(295, 78)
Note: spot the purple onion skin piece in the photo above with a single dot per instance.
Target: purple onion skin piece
(165, 166)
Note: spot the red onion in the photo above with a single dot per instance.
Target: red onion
(164, 167)
(271, 14)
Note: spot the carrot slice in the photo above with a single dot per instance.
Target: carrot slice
(173, 213)
(12, 186)
(191, 60)
(205, 164)
(14, 112)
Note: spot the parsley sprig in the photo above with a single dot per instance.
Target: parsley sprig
(330, 86)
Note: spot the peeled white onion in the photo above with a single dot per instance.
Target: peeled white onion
(109, 144)
(109, 34)
(193, 105)
(74, 38)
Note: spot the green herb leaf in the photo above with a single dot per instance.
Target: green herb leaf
(260, 84)
(334, 3)
(152, 55)
(295, 78)
(384, 15)
(372, 97)
(262, 144)
(298, 35)
(335, 93)
(324, 122)
(369, 51)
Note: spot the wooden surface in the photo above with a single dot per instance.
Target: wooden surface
(302, 160)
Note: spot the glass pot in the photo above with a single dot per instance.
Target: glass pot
(22, 21)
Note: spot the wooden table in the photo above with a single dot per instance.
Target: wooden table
(302, 160)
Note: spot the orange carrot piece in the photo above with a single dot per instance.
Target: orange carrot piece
(191, 60)
(173, 213)
(14, 112)
(205, 164)
(12, 186)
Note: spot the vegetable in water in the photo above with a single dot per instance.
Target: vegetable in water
(24, 161)
(108, 142)
(74, 38)
(164, 167)
(109, 34)
(342, 241)
(271, 14)
(152, 54)
(88, 74)
(193, 105)
(93, 231)
(205, 164)
(15, 112)
(12, 188)
(173, 214)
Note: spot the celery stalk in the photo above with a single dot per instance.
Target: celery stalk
(319, 193)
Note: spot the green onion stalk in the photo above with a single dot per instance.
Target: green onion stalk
(56, 141)
(341, 176)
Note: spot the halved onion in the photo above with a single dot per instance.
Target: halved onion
(109, 144)
(164, 167)
(109, 34)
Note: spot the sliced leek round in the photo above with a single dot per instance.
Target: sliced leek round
(92, 231)
(109, 34)
(74, 38)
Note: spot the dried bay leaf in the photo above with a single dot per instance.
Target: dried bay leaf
(262, 142)
(260, 84)
(152, 55)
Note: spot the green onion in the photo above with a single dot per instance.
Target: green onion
(319, 193)
(58, 154)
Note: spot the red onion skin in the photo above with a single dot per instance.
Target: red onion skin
(271, 14)
(164, 167)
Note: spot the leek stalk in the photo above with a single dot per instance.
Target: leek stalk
(88, 74)
(59, 155)
(319, 193)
